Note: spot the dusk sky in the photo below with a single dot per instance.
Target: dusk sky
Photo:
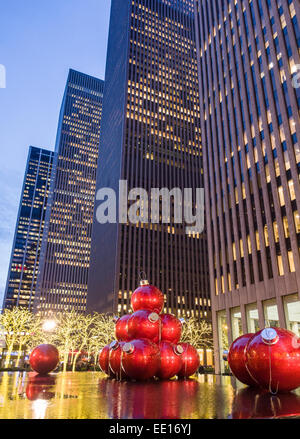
(39, 42)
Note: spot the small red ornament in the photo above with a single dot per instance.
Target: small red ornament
(170, 360)
(144, 324)
(141, 359)
(122, 328)
(147, 297)
(190, 361)
(171, 328)
(115, 359)
(44, 358)
(273, 359)
(237, 360)
(104, 361)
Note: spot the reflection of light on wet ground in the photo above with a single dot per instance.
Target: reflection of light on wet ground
(39, 409)
(90, 395)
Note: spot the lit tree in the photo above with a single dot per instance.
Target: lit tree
(19, 325)
(66, 334)
(198, 333)
(102, 333)
(83, 335)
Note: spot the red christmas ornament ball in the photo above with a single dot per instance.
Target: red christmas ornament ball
(190, 361)
(104, 360)
(44, 358)
(273, 359)
(147, 297)
(115, 359)
(122, 328)
(144, 324)
(141, 359)
(170, 360)
(237, 360)
(170, 328)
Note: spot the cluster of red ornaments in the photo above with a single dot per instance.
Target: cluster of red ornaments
(269, 359)
(147, 343)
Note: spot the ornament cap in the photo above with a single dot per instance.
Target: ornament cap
(182, 320)
(178, 349)
(115, 319)
(269, 336)
(153, 317)
(144, 282)
(114, 345)
(128, 348)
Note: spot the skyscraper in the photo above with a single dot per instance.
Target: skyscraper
(62, 282)
(150, 138)
(24, 263)
(247, 54)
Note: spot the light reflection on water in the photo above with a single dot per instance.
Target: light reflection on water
(90, 395)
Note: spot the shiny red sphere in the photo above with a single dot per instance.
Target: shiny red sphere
(170, 360)
(147, 297)
(122, 328)
(104, 360)
(170, 328)
(273, 359)
(144, 324)
(44, 358)
(190, 361)
(141, 359)
(115, 359)
(237, 360)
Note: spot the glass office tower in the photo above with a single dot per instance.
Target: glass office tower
(150, 138)
(248, 53)
(24, 263)
(64, 266)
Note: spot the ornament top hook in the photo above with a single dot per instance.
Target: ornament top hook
(143, 279)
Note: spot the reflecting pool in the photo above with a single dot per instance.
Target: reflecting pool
(90, 395)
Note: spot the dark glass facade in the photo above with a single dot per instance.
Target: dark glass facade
(151, 138)
(247, 54)
(23, 268)
(64, 265)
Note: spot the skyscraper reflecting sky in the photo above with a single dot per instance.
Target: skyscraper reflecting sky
(64, 266)
(23, 268)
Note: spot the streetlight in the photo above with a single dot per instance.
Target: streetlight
(49, 325)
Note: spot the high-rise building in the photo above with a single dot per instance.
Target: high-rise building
(248, 52)
(24, 263)
(65, 255)
(150, 138)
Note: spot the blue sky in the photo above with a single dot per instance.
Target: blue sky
(39, 42)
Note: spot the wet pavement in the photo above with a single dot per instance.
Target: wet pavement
(90, 395)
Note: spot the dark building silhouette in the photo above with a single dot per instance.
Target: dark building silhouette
(248, 52)
(150, 138)
(64, 264)
(24, 263)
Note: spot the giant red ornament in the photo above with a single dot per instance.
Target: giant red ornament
(104, 360)
(170, 360)
(170, 328)
(44, 358)
(147, 297)
(273, 359)
(190, 361)
(144, 324)
(237, 360)
(122, 328)
(141, 359)
(115, 359)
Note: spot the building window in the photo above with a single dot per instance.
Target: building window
(271, 313)
(292, 313)
(236, 323)
(223, 337)
(252, 318)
